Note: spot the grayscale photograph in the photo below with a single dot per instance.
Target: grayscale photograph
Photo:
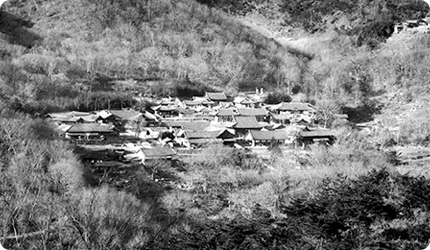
(214, 124)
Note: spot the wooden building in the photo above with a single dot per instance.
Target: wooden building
(244, 124)
(216, 96)
(160, 153)
(92, 133)
(259, 113)
(266, 138)
(293, 108)
(307, 137)
(225, 115)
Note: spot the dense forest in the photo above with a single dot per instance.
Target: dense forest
(70, 55)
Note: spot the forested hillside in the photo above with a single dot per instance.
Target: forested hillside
(58, 55)
(369, 21)
(58, 44)
(53, 52)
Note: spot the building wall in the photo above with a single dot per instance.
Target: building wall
(266, 142)
(225, 118)
(92, 138)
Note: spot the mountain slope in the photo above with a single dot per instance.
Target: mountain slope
(182, 47)
(368, 20)
(172, 41)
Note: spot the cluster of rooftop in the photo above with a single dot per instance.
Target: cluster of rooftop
(243, 122)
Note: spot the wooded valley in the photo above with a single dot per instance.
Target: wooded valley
(343, 58)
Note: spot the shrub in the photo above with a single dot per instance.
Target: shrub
(106, 218)
(277, 97)
(186, 88)
(350, 211)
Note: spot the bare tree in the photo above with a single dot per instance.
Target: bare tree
(326, 109)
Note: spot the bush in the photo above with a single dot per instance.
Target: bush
(350, 211)
(186, 88)
(102, 100)
(106, 218)
(241, 160)
(277, 97)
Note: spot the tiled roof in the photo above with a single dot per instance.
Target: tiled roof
(104, 114)
(208, 102)
(202, 135)
(226, 104)
(77, 113)
(281, 117)
(67, 114)
(317, 133)
(69, 119)
(204, 110)
(269, 135)
(246, 122)
(191, 126)
(199, 98)
(91, 128)
(291, 106)
(167, 108)
(274, 126)
(90, 118)
(239, 99)
(160, 152)
(226, 134)
(226, 112)
(64, 127)
(166, 102)
(149, 116)
(205, 141)
(252, 112)
(216, 96)
(126, 114)
(192, 102)
(247, 101)
(298, 119)
(157, 129)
